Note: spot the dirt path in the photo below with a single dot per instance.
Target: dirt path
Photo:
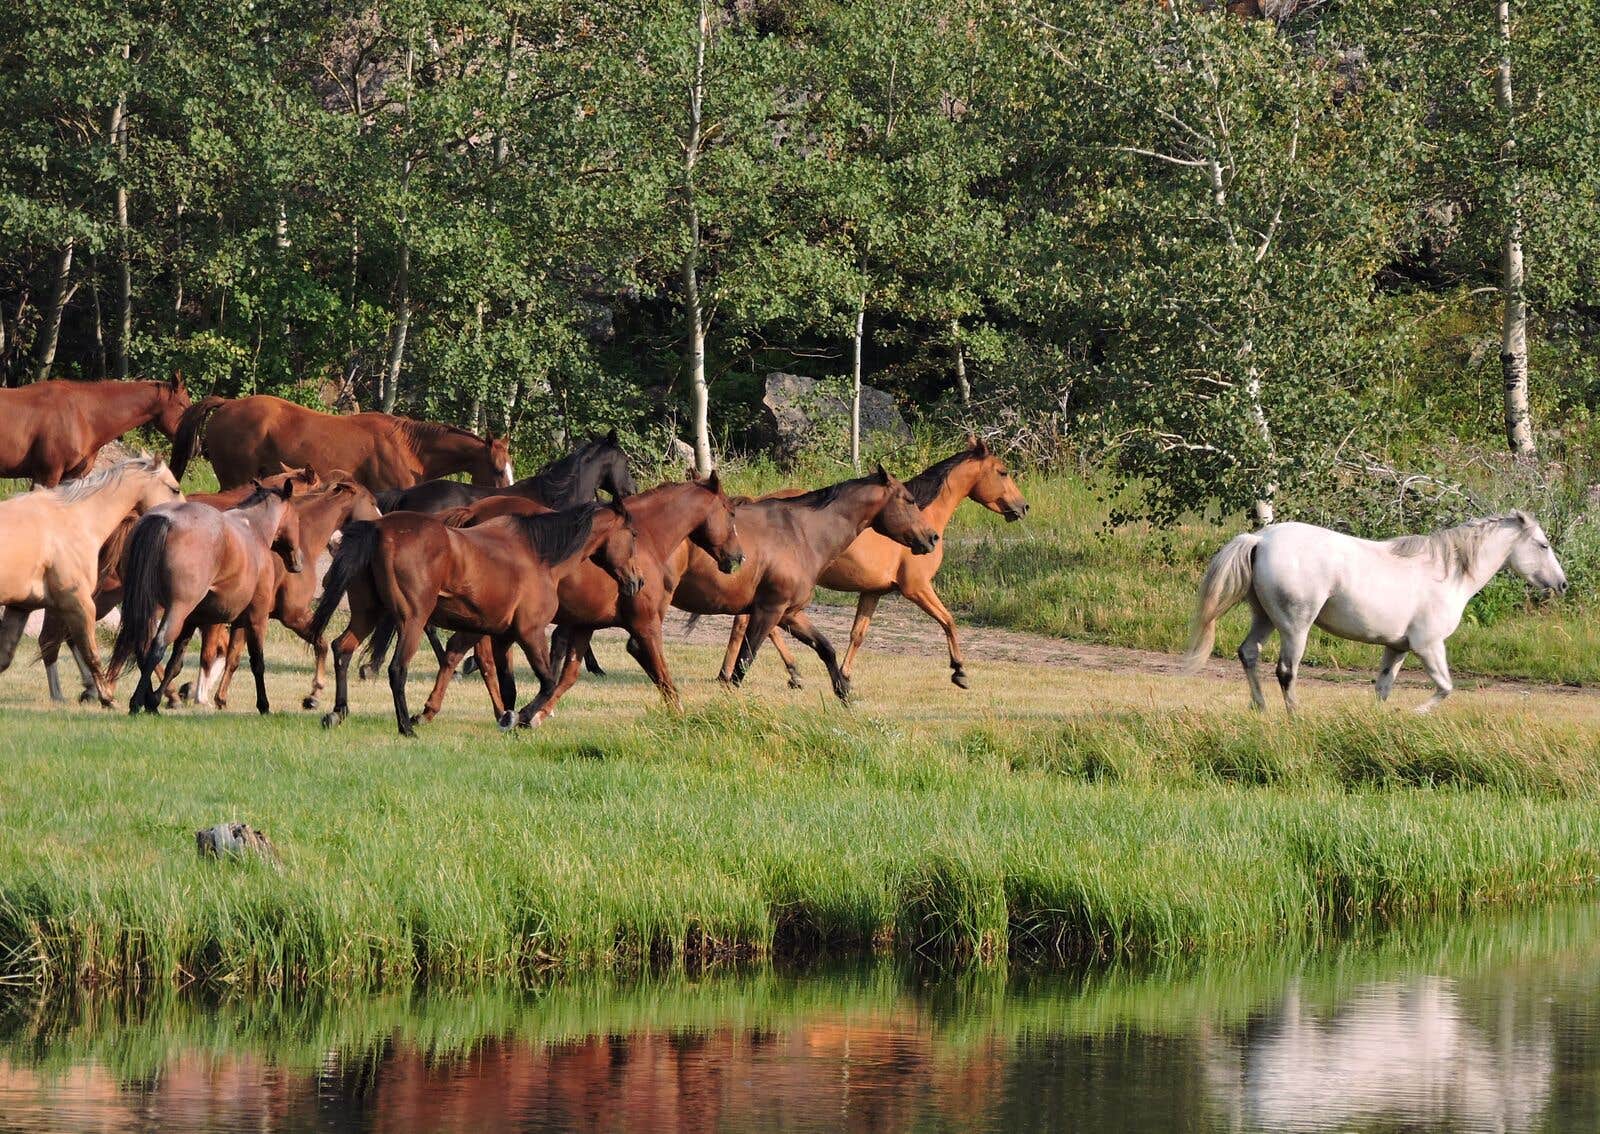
(900, 628)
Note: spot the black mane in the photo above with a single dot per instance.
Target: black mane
(927, 484)
(822, 497)
(558, 536)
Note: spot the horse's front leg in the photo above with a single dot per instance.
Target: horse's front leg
(801, 626)
(12, 625)
(255, 636)
(457, 648)
(1438, 669)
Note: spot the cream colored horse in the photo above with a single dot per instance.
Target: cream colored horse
(1404, 594)
(50, 556)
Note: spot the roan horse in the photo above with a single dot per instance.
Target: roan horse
(1404, 594)
(787, 544)
(667, 518)
(51, 431)
(599, 464)
(251, 437)
(875, 565)
(498, 579)
(321, 513)
(108, 586)
(50, 555)
(188, 566)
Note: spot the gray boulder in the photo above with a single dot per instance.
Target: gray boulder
(801, 411)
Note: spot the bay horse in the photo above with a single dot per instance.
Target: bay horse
(51, 431)
(874, 566)
(50, 556)
(189, 565)
(1406, 595)
(108, 584)
(788, 543)
(599, 464)
(320, 514)
(499, 579)
(668, 518)
(249, 437)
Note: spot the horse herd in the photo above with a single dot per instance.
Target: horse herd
(540, 564)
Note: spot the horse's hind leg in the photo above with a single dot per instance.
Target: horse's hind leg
(457, 648)
(50, 653)
(543, 705)
(866, 607)
(11, 627)
(1392, 658)
(1250, 653)
(411, 630)
(344, 647)
(592, 663)
(174, 667)
(255, 633)
(1293, 648)
(1438, 669)
(800, 625)
(735, 652)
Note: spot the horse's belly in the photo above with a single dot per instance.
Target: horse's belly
(1371, 620)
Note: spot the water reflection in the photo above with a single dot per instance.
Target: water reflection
(1475, 1027)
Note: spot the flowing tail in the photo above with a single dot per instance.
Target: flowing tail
(143, 590)
(1228, 580)
(358, 543)
(190, 426)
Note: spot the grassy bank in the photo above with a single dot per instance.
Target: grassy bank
(1046, 815)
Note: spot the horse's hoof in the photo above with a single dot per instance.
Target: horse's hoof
(469, 666)
(364, 673)
(331, 718)
(794, 681)
(185, 691)
(959, 679)
(418, 718)
(506, 720)
(596, 670)
(309, 703)
(89, 695)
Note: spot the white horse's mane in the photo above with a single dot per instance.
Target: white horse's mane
(83, 487)
(1456, 547)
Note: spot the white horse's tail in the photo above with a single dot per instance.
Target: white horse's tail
(1228, 580)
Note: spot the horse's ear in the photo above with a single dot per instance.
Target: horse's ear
(882, 474)
(177, 381)
(256, 485)
(287, 491)
(714, 482)
(612, 438)
(980, 447)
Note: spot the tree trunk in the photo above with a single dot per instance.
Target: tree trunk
(694, 314)
(1514, 327)
(100, 355)
(398, 331)
(855, 385)
(962, 386)
(50, 327)
(118, 133)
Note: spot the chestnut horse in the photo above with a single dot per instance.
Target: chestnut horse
(50, 555)
(321, 513)
(249, 437)
(108, 585)
(500, 579)
(189, 565)
(873, 566)
(668, 518)
(788, 543)
(51, 431)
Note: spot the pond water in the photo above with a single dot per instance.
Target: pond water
(1477, 1026)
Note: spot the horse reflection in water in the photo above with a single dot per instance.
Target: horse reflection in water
(1401, 1055)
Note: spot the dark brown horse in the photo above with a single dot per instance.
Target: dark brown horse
(321, 513)
(108, 586)
(667, 518)
(51, 431)
(787, 545)
(873, 566)
(188, 566)
(249, 437)
(498, 579)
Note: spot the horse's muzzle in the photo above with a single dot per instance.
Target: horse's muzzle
(923, 544)
(728, 564)
(296, 563)
(1015, 512)
(631, 585)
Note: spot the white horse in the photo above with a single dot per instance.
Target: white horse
(1404, 594)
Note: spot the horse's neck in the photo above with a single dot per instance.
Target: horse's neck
(1490, 557)
(447, 453)
(106, 509)
(319, 517)
(830, 529)
(120, 406)
(663, 525)
(262, 518)
(954, 490)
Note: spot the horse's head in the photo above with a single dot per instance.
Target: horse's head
(160, 486)
(717, 535)
(355, 497)
(993, 487)
(613, 473)
(1532, 558)
(617, 552)
(900, 519)
(307, 477)
(493, 468)
(172, 399)
(286, 531)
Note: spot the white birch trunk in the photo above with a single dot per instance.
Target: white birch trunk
(118, 133)
(694, 314)
(963, 387)
(1514, 326)
(855, 386)
(50, 329)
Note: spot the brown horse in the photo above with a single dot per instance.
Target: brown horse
(497, 579)
(873, 566)
(788, 543)
(108, 585)
(49, 558)
(51, 431)
(248, 437)
(668, 518)
(189, 565)
(321, 513)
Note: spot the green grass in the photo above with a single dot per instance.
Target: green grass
(1052, 817)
